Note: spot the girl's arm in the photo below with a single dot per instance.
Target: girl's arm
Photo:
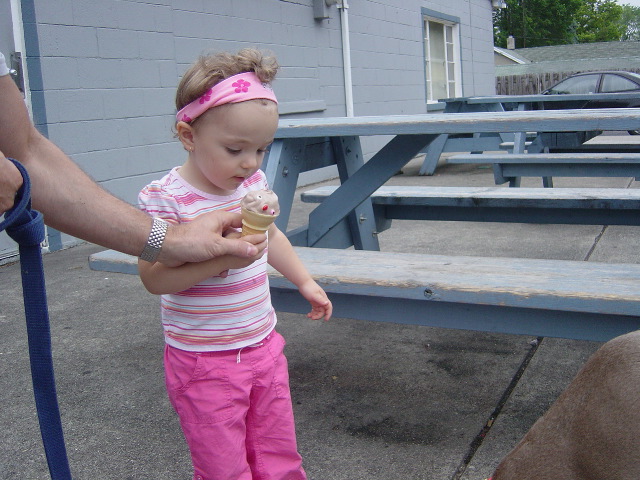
(283, 258)
(160, 279)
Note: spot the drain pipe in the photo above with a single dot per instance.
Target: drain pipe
(343, 6)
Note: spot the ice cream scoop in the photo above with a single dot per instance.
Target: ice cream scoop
(260, 208)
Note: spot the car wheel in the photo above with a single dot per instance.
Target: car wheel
(634, 132)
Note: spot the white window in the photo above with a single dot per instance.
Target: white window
(442, 58)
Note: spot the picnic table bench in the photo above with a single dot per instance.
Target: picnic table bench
(569, 299)
(511, 167)
(574, 206)
(572, 299)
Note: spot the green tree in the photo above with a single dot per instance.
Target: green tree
(630, 22)
(536, 23)
(599, 21)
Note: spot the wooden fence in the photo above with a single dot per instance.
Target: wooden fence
(532, 83)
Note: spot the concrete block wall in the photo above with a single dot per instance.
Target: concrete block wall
(478, 66)
(103, 72)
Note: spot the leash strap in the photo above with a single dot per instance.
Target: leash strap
(26, 227)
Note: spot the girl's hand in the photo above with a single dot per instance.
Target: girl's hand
(321, 306)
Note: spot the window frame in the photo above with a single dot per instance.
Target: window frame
(453, 87)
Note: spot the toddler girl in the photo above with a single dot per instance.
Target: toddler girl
(225, 371)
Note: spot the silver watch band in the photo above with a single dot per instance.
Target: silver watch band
(155, 240)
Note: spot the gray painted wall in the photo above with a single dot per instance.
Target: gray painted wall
(103, 72)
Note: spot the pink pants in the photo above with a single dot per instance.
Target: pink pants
(235, 411)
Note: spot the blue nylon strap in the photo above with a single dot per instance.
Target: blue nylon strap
(26, 227)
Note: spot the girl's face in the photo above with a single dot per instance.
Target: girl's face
(227, 144)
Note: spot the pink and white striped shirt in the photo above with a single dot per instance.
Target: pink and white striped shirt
(218, 313)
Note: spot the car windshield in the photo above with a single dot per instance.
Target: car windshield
(576, 85)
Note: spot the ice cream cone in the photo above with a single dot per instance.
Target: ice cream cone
(253, 222)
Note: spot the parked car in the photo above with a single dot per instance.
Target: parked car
(597, 82)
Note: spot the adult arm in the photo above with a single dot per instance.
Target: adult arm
(10, 182)
(73, 203)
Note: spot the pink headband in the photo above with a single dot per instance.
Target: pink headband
(237, 88)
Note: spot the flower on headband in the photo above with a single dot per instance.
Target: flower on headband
(185, 118)
(206, 97)
(241, 85)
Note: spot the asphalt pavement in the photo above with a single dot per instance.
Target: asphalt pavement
(372, 400)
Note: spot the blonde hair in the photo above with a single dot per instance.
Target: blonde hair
(209, 70)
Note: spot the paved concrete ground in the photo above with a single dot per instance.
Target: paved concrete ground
(372, 400)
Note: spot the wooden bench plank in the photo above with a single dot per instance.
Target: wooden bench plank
(494, 196)
(547, 284)
(537, 297)
(592, 147)
(569, 299)
(585, 206)
(552, 158)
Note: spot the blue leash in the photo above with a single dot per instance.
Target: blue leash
(26, 227)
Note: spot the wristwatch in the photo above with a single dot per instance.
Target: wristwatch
(155, 240)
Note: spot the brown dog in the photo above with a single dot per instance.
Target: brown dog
(592, 432)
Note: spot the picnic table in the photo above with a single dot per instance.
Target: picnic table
(307, 144)
(516, 142)
(540, 297)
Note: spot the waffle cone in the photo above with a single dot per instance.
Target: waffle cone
(253, 222)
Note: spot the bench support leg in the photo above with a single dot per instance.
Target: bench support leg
(514, 182)
(519, 145)
(519, 142)
(432, 157)
(500, 178)
(362, 222)
(282, 168)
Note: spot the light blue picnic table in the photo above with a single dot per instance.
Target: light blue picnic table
(482, 142)
(306, 144)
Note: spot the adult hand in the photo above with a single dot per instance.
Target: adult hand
(203, 239)
(10, 182)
